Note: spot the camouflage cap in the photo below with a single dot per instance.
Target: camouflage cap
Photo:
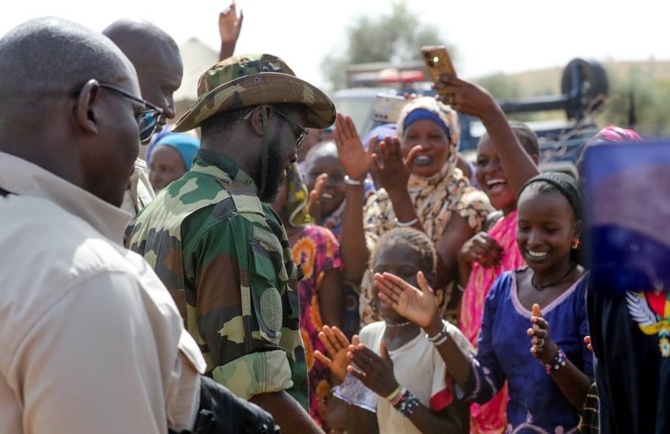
(255, 79)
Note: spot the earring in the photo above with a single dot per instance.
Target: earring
(575, 244)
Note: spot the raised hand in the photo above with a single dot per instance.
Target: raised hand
(389, 166)
(355, 160)
(482, 248)
(314, 200)
(542, 347)
(230, 26)
(417, 305)
(466, 97)
(374, 371)
(337, 346)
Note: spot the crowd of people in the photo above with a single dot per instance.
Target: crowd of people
(257, 266)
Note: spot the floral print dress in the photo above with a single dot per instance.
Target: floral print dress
(317, 251)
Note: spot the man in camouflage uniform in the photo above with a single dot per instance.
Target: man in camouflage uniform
(220, 249)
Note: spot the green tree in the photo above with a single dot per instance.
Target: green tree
(395, 37)
(650, 99)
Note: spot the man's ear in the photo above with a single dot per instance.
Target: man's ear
(86, 112)
(260, 116)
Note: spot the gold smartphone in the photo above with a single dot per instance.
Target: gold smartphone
(438, 61)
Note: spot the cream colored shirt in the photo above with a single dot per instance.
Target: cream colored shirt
(90, 339)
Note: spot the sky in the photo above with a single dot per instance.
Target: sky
(491, 36)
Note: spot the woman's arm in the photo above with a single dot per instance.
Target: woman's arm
(474, 100)
(356, 162)
(448, 247)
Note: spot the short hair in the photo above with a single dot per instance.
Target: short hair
(53, 57)
(221, 122)
(414, 240)
(127, 33)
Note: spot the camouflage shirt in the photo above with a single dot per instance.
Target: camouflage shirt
(226, 260)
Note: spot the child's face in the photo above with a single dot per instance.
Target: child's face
(491, 177)
(545, 230)
(334, 189)
(400, 261)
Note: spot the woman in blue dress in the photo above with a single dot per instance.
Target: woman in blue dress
(539, 352)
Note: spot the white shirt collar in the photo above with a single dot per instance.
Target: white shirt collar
(24, 178)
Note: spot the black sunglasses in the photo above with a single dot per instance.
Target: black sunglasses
(147, 120)
(303, 132)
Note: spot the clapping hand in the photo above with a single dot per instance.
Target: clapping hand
(417, 305)
(355, 160)
(389, 166)
(543, 348)
(374, 371)
(337, 346)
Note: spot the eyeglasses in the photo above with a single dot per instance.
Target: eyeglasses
(303, 132)
(147, 120)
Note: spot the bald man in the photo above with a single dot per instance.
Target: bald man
(156, 58)
(90, 340)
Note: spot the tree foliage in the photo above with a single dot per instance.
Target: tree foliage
(395, 37)
(637, 100)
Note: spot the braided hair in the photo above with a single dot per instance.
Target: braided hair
(414, 240)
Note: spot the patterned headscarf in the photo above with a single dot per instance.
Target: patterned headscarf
(295, 205)
(613, 133)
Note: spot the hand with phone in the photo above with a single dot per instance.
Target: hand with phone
(438, 62)
(468, 98)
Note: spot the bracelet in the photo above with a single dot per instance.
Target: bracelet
(407, 404)
(559, 362)
(406, 224)
(441, 341)
(399, 397)
(440, 337)
(395, 393)
(350, 181)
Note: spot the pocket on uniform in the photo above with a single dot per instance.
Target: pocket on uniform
(265, 297)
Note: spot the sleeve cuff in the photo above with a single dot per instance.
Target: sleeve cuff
(255, 373)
